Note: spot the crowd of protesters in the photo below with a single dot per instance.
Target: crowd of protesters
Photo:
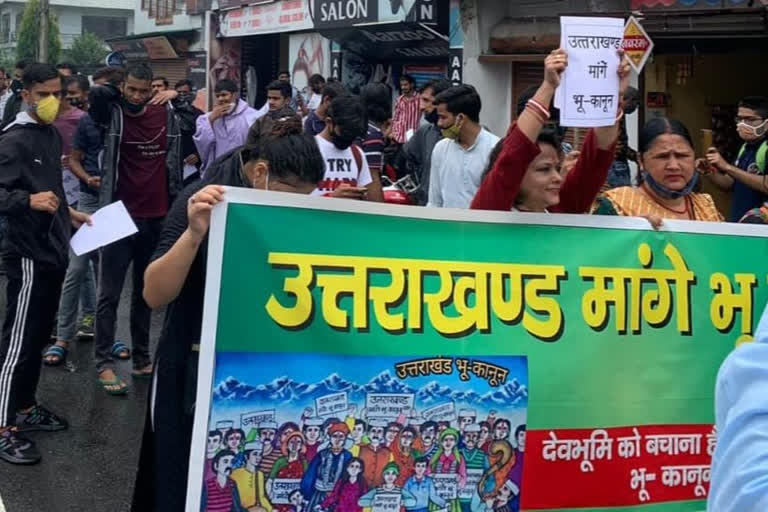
(125, 135)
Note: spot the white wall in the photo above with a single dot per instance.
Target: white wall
(492, 81)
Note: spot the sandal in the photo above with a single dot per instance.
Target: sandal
(121, 351)
(106, 384)
(142, 373)
(55, 355)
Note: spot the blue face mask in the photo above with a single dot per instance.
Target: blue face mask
(662, 191)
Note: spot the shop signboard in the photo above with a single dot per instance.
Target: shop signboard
(687, 4)
(637, 44)
(345, 13)
(285, 16)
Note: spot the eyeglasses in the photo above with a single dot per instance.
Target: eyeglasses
(751, 120)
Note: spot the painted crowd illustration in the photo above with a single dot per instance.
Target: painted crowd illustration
(362, 434)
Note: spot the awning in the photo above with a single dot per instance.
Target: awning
(153, 46)
(391, 41)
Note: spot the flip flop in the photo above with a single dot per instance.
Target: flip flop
(121, 351)
(122, 386)
(140, 374)
(56, 351)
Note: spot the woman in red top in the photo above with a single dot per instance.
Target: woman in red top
(291, 465)
(526, 175)
(348, 490)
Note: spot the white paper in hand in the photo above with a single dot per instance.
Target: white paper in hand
(110, 224)
(588, 95)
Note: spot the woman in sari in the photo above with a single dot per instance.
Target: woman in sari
(291, 465)
(668, 178)
(527, 175)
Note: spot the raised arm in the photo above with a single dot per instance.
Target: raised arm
(502, 185)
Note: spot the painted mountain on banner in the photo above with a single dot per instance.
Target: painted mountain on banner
(285, 390)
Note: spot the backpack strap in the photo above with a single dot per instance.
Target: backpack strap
(358, 154)
(762, 157)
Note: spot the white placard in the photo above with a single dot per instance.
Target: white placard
(446, 485)
(387, 405)
(109, 224)
(330, 405)
(473, 479)
(252, 420)
(442, 412)
(386, 502)
(588, 95)
(282, 489)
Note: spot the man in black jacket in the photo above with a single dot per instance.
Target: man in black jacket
(35, 252)
(142, 166)
(14, 103)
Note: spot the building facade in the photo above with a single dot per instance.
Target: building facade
(104, 19)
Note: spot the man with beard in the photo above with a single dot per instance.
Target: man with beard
(418, 149)
(315, 122)
(375, 455)
(407, 116)
(250, 481)
(143, 168)
(312, 430)
(347, 174)
(188, 115)
(220, 493)
(316, 85)
(326, 468)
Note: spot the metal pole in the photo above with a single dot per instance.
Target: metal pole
(42, 52)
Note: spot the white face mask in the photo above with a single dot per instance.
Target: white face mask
(755, 131)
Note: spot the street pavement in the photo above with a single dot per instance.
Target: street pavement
(91, 466)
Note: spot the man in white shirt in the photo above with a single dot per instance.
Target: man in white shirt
(316, 84)
(458, 161)
(347, 174)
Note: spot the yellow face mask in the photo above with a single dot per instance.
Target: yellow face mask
(47, 109)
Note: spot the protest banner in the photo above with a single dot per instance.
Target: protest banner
(252, 419)
(442, 412)
(387, 502)
(282, 489)
(588, 95)
(331, 405)
(617, 331)
(446, 485)
(387, 405)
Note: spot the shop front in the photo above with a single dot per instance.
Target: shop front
(173, 55)
(357, 41)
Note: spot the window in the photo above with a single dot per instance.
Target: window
(104, 26)
(5, 28)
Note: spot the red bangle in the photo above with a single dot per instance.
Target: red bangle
(536, 114)
(539, 107)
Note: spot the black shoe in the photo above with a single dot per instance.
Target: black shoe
(40, 419)
(16, 449)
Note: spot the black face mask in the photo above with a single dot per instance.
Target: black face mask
(16, 86)
(132, 108)
(431, 117)
(186, 97)
(77, 102)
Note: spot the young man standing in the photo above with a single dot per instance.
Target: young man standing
(295, 100)
(315, 122)
(278, 99)
(159, 84)
(226, 126)
(747, 178)
(418, 150)
(143, 168)
(87, 145)
(13, 103)
(407, 115)
(184, 105)
(316, 84)
(459, 160)
(347, 174)
(35, 250)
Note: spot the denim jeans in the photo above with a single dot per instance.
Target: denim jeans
(79, 283)
(115, 260)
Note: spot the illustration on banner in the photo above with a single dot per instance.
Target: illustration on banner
(334, 433)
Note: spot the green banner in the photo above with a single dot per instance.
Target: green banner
(354, 355)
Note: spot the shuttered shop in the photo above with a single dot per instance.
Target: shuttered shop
(172, 69)
(530, 74)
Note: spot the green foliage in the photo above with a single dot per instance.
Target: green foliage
(29, 34)
(87, 50)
